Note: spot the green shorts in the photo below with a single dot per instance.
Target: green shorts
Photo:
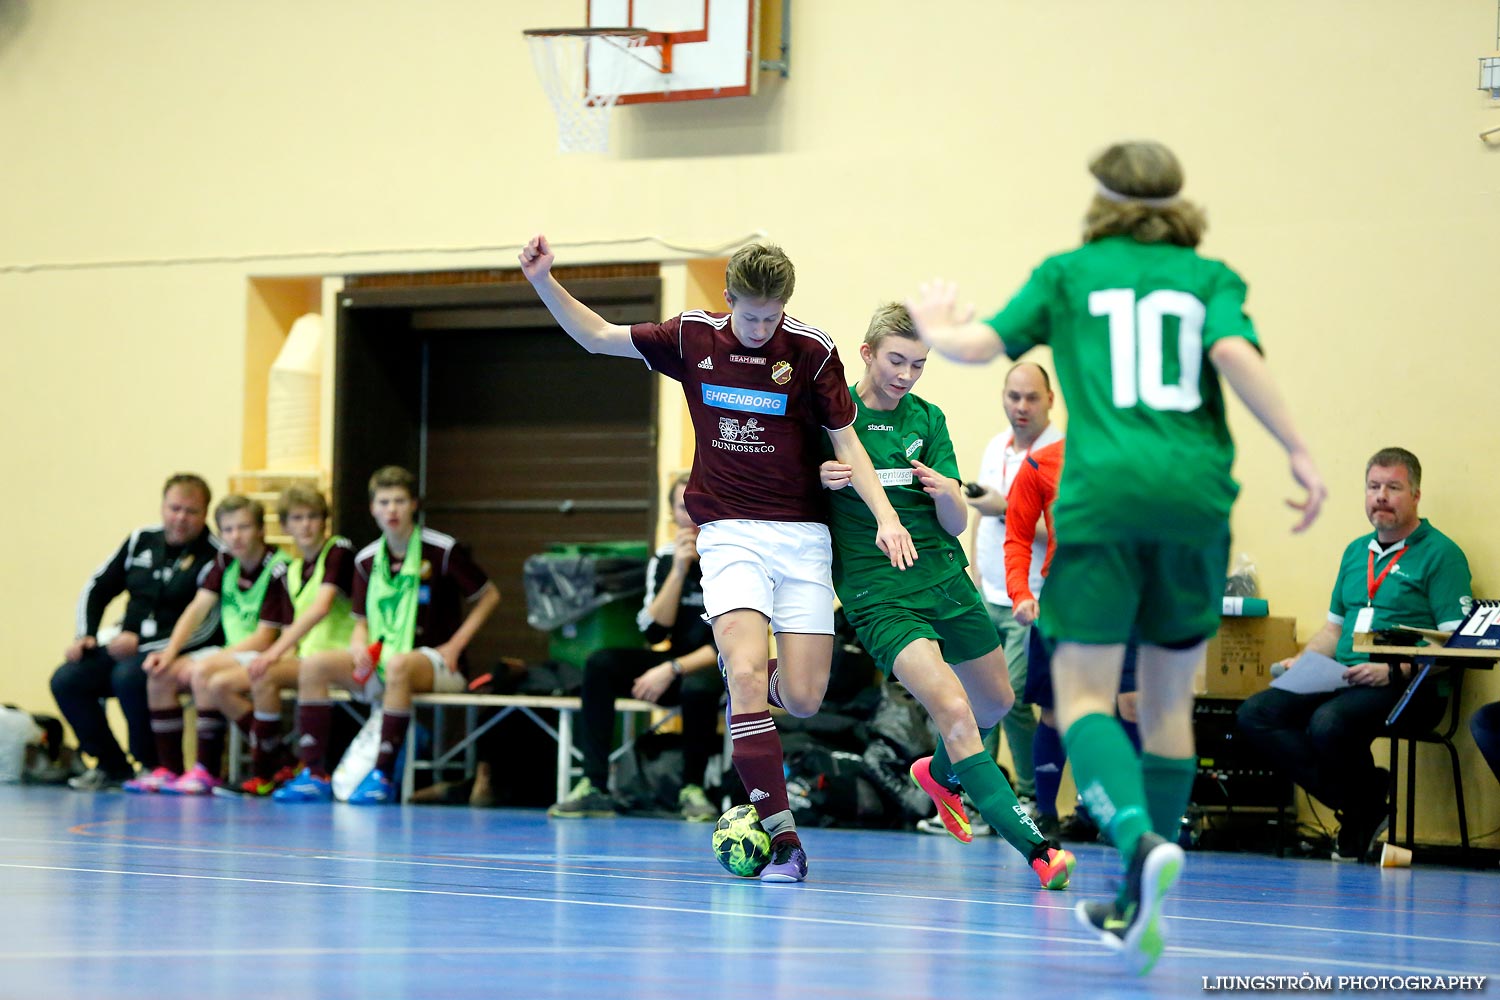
(951, 613)
(1169, 592)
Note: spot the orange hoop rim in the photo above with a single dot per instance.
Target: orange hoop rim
(586, 32)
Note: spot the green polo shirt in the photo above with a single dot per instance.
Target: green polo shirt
(1429, 586)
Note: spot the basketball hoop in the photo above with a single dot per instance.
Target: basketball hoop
(583, 89)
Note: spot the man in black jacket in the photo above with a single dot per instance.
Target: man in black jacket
(684, 674)
(158, 566)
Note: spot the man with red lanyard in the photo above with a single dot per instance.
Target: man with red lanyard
(1027, 399)
(1404, 573)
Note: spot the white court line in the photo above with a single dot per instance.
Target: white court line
(570, 951)
(357, 859)
(1031, 936)
(1384, 934)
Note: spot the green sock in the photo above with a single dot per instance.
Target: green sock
(1108, 774)
(942, 764)
(996, 802)
(1169, 785)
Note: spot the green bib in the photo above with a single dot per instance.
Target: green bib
(239, 610)
(391, 600)
(337, 627)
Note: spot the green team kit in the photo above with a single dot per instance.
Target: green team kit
(1142, 511)
(937, 598)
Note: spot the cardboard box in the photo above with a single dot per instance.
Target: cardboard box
(1240, 656)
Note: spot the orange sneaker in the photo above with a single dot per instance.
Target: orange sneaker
(950, 809)
(1056, 869)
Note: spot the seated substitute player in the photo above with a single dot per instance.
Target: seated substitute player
(319, 582)
(158, 566)
(915, 624)
(682, 674)
(759, 386)
(1140, 327)
(247, 585)
(417, 592)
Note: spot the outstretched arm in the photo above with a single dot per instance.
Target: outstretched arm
(1245, 371)
(580, 322)
(950, 329)
(890, 534)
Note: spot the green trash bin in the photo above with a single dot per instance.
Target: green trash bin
(586, 596)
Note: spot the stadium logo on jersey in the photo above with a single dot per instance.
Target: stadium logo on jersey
(734, 436)
(781, 373)
(707, 364)
(879, 427)
(751, 400)
(913, 445)
(747, 359)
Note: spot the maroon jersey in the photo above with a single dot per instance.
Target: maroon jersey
(450, 580)
(758, 414)
(276, 608)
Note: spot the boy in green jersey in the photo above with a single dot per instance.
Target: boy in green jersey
(917, 622)
(247, 584)
(1140, 327)
(319, 581)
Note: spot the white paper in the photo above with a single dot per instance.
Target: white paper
(1312, 673)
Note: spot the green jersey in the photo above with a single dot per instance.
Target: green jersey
(1130, 325)
(1422, 581)
(862, 574)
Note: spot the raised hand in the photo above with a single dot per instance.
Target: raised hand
(536, 258)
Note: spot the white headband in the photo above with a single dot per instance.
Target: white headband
(1109, 194)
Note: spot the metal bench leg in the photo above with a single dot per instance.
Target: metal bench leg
(564, 751)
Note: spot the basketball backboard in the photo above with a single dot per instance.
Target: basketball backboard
(712, 49)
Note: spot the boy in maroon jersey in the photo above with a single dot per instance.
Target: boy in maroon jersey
(420, 595)
(759, 386)
(246, 585)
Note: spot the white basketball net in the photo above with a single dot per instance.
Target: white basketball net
(582, 90)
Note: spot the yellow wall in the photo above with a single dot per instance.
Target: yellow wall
(1333, 143)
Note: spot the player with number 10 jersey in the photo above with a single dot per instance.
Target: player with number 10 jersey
(1130, 325)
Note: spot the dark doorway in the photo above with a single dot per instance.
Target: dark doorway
(519, 437)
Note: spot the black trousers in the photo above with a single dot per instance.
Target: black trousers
(80, 690)
(1322, 741)
(610, 673)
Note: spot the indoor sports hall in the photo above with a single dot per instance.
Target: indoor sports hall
(278, 244)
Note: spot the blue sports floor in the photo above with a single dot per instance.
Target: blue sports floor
(112, 895)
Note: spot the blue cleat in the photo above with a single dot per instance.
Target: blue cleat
(374, 790)
(305, 787)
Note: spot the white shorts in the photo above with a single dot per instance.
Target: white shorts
(783, 569)
(444, 680)
(243, 657)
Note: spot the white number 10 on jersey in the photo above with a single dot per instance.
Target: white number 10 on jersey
(1137, 341)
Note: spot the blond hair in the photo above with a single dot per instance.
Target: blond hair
(1144, 179)
(760, 271)
(236, 502)
(890, 320)
(301, 496)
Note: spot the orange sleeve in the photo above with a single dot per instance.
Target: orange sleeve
(1023, 507)
(1049, 471)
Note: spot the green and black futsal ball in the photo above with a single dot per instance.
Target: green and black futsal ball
(740, 843)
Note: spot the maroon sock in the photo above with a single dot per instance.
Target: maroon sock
(393, 726)
(265, 737)
(166, 726)
(245, 723)
(212, 731)
(314, 718)
(757, 760)
(773, 684)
